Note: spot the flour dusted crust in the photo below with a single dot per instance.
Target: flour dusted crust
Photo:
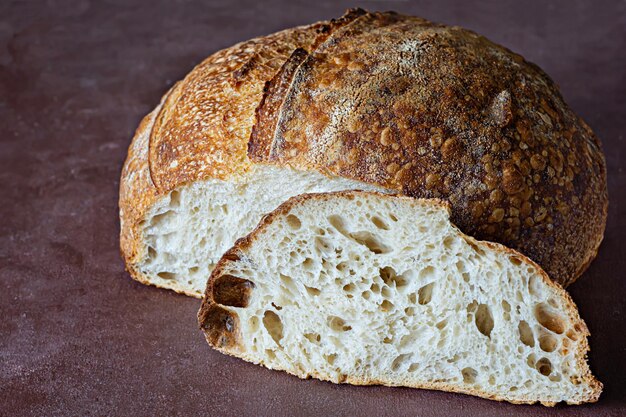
(437, 111)
(396, 101)
(220, 321)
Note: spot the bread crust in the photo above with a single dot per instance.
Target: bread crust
(228, 341)
(436, 111)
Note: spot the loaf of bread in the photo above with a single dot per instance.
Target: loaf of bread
(366, 288)
(370, 101)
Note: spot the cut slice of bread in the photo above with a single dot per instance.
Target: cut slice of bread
(367, 288)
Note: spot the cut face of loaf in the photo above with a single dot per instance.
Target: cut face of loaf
(188, 231)
(365, 288)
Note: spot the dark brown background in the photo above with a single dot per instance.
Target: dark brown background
(78, 337)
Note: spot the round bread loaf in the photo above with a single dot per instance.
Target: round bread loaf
(397, 102)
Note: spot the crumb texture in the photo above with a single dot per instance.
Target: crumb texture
(362, 288)
(188, 230)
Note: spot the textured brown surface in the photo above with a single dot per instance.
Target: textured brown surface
(437, 111)
(78, 337)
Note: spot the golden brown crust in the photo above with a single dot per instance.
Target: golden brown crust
(204, 126)
(437, 111)
(220, 333)
(200, 130)
(137, 191)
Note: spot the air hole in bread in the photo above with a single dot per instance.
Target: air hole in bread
(270, 354)
(338, 223)
(254, 323)
(549, 319)
(293, 222)
(544, 366)
(273, 325)
(484, 319)
(478, 251)
(288, 284)
(555, 377)
(380, 223)
(167, 275)
(330, 358)
(391, 278)
(547, 342)
(572, 334)
(323, 245)
(160, 219)
(175, 199)
(313, 337)
(349, 287)
(400, 361)
(386, 305)
(308, 264)
(534, 286)
(232, 291)
(372, 242)
(506, 307)
(526, 334)
(469, 375)
(365, 238)
(386, 292)
(412, 298)
(425, 294)
(426, 273)
(312, 291)
(338, 324)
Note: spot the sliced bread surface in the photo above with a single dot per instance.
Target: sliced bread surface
(366, 288)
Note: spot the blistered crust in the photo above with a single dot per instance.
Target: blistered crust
(203, 129)
(437, 111)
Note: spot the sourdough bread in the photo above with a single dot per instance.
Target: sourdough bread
(376, 101)
(365, 288)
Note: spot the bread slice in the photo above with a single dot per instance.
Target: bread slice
(366, 288)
